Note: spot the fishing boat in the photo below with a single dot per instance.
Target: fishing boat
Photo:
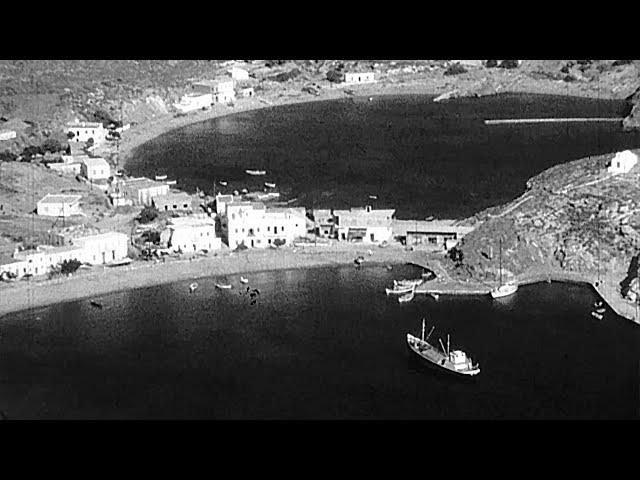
(407, 283)
(171, 182)
(223, 286)
(389, 267)
(95, 304)
(244, 280)
(159, 178)
(256, 172)
(398, 290)
(435, 296)
(503, 290)
(407, 297)
(599, 316)
(269, 185)
(224, 184)
(236, 193)
(373, 197)
(192, 287)
(456, 361)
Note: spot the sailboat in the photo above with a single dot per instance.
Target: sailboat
(407, 297)
(455, 361)
(506, 289)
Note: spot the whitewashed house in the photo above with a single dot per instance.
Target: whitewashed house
(623, 162)
(142, 191)
(59, 205)
(364, 224)
(192, 234)
(252, 224)
(221, 90)
(192, 102)
(354, 78)
(173, 202)
(7, 134)
(103, 247)
(83, 131)
(95, 168)
(66, 168)
(238, 73)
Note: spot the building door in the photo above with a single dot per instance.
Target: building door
(252, 243)
(372, 237)
(104, 257)
(113, 254)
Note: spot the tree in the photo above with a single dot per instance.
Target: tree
(456, 255)
(8, 156)
(51, 145)
(455, 69)
(90, 142)
(278, 242)
(509, 64)
(148, 214)
(69, 266)
(491, 63)
(334, 76)
(70, 134)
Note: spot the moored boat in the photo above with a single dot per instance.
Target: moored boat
(408, 283)
(256, 172)
(244, 280)
(171, 182)
(193, 287)
(159, 178)
(407, 297)
(269, 185)
(119, 263)
(224, 184)
(503, 290)
(95, 304)
(398, 290)
(456, 361)
(223, 286)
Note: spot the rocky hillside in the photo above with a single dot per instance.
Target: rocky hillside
(576, 217)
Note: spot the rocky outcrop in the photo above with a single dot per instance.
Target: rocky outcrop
(575, 217)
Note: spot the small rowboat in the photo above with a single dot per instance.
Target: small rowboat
(270, 185)
(244, 280)
(256, 172)
(223, 286)
(192, 287)
(599, 316)
(398, 290)
(161, 177)
(95, 304)
(244, 190)
(171, 182)
(373, 197)
(407, 297)
(224, 184)
(407, 283)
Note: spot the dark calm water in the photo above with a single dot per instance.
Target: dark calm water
(420, 157)
(318, 344)
(327, 343)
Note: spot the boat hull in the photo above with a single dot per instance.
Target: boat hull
(504, 291)
(435, 361)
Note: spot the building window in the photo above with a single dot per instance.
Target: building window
(269, 240)
(433, 240)
(268, 229)
(233, 217)
(236, 230)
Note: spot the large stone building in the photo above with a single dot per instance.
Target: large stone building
(192, 102)
(623, 162)
(254, 225)
(83, 131)
(173, 202)
(221, 89)
(191, 234)
(142, 191)
(95, 168)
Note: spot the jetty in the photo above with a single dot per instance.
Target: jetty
(550, 120)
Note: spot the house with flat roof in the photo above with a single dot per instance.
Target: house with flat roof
(255, 226)
(102, 248)
(95, 168)
(429, 234)
(364, 224)
(622, 162)
(324, 223)
(173, 202)
(221, 89)
(194, 101)
(142, 191)
(192, 234)
(83, 131)
(238, 73)
(66, 168)
(59, 205)
(7, 135)
(355, 78)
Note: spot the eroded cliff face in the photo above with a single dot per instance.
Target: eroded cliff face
(575, 217)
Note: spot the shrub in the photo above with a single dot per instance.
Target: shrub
(617, 63)
(491, 63)
(334, 76)
(509, 64)
(51, 145)
(241, 247)
(278, 242)
(455, 69)
(70, 135)
(456, 255)
(148, 214)
(8, 156)
(69, 266)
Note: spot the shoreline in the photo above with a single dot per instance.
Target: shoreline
(142, 133)
(100, 281)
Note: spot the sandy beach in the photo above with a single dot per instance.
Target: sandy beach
(98, 281)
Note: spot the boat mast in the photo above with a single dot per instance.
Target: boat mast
(448, 345)
(423, 329)
(430, 332)
(501, 261)
(442, 345)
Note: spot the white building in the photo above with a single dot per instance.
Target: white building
(103, 247)
(191, 102)
(66, 168)
(173, 202)
(238, 73)
(192, 234)
(254, 225)
(623, 162)
(142, 191)
(221, 90)
(247, 92)
(95, 168)
(83, 131)
(437, 235)
(352, 78)
(59, 205)
(7, 134)
(223, 200)
(364, 224)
